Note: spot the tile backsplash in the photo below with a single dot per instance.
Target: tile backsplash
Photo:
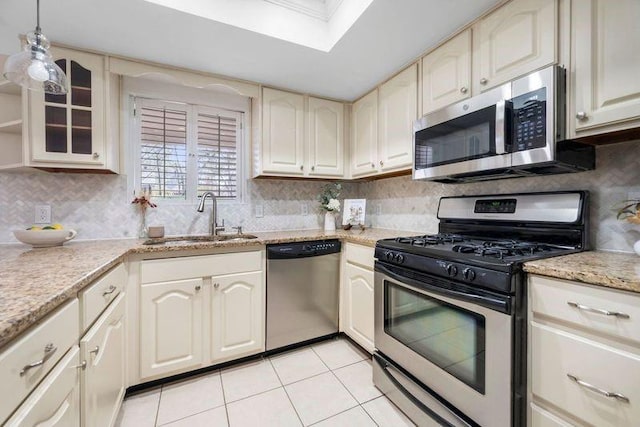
(99, 206)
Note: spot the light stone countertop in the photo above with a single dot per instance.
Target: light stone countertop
(610, 269)
(33, 282)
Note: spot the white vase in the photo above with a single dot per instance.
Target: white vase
(636, 247)
(329, 221)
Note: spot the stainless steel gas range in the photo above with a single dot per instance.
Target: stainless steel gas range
(450, 308)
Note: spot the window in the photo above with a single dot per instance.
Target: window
(185, 150)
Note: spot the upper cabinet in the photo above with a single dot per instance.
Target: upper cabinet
(446, 73)
(364, 135)
(515, 39)
(382, 126)
(606, 89)
(79, 130)
(282, 132)
(301, 136)
(397, 109)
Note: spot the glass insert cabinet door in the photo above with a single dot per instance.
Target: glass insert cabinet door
(70, 128)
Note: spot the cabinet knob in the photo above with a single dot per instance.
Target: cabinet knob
(381, 163)
(96, 155)
(463, 89)
(95, 350)
(483, 81)
(216, 285)
(373, 165)
(313, 168)
(301, 167)
(198, 287)
(581, 115)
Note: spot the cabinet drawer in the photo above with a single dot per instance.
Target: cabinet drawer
(556, 353)
(46, 342)
(95, 298)
(542, 418)
(56, 402)
(163, 270)
(558, 298)
(361, 255)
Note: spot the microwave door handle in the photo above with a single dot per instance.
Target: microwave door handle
(501, 110)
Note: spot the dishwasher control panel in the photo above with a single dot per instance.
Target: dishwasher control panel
(303, 249)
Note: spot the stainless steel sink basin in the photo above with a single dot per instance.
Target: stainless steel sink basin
(207, 238)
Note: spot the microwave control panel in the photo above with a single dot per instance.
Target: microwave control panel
(529, 120)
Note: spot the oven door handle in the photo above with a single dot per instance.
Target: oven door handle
(502, 305)
(397, 378)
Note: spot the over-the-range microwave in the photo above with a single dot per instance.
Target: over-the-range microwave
(516, 129)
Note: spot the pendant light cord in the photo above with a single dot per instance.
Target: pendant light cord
(38, 30)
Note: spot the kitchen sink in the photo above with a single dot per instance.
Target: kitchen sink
(207, 238)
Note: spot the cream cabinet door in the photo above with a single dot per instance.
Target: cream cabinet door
(56, 401)
(326, 138)
(357, 306)
(69, 130)
(398, 108)
(606, 37)
(282, 132)
(171, 318)
(103, 380)
(237, 315)
(514, 40)
(446, 73)
(364, 135)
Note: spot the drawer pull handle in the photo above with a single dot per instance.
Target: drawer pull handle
(598, 390)
(598, 310)
(82, 366)
(95, 350)
(49, 349)
(109, 291)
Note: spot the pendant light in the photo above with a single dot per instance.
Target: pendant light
(34, 68)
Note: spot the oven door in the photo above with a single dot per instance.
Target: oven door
(465, 137)
(457, 343)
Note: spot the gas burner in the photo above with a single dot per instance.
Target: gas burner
(430, 239)
(501, 248)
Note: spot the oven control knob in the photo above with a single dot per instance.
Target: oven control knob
(399, 258)
(452, 270)
(468, 274)
(388, 256)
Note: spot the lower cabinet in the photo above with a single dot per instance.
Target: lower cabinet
(56, 401)
(171, 326)
(237, 326)
(200, 310)
(584, 354)
(356, 316)
(103, 378)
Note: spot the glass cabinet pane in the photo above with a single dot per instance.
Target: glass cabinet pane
(58, 99)
(55, 129)
(81, 131)
(80, 85)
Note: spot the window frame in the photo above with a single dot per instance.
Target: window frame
(174, 95)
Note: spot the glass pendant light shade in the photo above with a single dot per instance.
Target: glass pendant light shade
(34, 68)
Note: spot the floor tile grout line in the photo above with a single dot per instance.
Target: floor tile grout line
(334, 415)
(224, 398)
(287, 394)
(192, 415)
(155, 421)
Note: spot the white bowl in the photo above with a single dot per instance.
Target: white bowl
(44, 238)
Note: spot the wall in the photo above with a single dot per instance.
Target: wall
(98, 206)
(412, 205)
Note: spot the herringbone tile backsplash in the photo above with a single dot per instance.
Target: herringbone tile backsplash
(99, 206)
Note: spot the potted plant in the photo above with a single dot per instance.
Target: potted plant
(629, 210)
(330, 204)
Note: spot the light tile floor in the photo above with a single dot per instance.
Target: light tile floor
(326, 384)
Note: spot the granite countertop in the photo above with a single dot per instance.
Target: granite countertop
(33, 282)
(610, 269)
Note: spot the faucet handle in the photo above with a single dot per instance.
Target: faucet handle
(239, 228)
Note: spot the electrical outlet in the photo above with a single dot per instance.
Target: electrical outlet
(304, 209)
(259, 211)
(378, 209)
(43, 214)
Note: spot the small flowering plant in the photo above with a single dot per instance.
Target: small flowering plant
(629, 210)
(144, 199)
(328, 198)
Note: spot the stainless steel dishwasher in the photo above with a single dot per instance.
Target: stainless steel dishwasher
(303, 280)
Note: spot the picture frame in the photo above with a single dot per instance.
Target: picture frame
(354, 211)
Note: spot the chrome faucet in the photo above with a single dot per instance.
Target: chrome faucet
(215, 228)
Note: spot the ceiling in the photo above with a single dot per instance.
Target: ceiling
(388, 35)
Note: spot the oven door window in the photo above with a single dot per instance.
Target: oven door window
(464, 138)
(448, 336)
